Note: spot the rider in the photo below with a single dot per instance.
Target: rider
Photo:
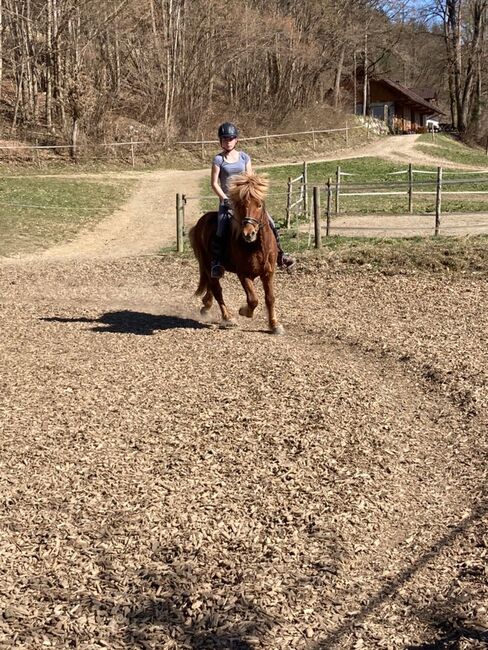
(227, 163)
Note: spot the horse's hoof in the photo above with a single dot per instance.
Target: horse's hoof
(228, 324)
(244, 311)
(278, 330)
(205, 313)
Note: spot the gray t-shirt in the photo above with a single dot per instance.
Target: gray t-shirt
(228, 169)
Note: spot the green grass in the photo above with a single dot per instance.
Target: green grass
(38, 212)
(448, 147)
(366, 171)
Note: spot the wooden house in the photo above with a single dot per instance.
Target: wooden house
(406, 110)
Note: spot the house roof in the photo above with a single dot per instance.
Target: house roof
(425, 92)
(411, 97)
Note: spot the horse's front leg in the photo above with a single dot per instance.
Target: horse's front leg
(207, 301)
(269, 297)
(252, 299)
(227, 320)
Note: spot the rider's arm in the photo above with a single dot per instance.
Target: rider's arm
(214, 182)
(249, 167)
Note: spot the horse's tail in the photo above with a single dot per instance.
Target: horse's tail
(196, 237)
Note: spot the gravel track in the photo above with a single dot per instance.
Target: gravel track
(167, 484)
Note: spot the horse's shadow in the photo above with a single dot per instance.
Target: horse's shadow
(131, 322)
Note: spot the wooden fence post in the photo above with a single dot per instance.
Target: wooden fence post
(329, 206)
(305, 190)
(36, 153)
(288, 203)
(183, 210)
(338, 189)
(179, 224)
(347, 135)
(438, 202)
(316, 217)
(132, 155)
(410, 188)
(203, 149)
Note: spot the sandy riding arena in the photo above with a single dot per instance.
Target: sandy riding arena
(167, 484)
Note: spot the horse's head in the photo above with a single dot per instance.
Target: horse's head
(247, 193)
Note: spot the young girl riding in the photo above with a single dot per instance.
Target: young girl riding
(227, 163)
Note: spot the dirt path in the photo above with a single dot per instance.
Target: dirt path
(143, 226)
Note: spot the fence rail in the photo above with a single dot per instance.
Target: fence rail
(131, 144)
(337, 191)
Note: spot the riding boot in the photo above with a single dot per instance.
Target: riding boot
(217, 249)
(284, 261)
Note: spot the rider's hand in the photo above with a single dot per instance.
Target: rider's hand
(226, 203)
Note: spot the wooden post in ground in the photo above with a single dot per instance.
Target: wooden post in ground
(288, 203)
(347, 135)
(338, 189)
(179, 224)
(329, 206)
(132, 155)
(438, 202)
(203, 149)
(305, 190)
(316, 217)
(410, 188)
(183, 206)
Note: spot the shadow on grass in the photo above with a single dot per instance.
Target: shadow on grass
(132, 322)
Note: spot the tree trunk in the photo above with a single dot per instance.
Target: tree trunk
(365, 81)
(338, 75)
(49, 64)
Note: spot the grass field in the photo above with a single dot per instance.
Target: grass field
(448, 147)
(374, 175)
(36, 212)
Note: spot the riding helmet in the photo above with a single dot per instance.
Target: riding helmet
(228, 130)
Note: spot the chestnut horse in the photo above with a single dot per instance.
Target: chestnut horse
(251, 250)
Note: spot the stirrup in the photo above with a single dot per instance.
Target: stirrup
(286, 262)
(216, 270)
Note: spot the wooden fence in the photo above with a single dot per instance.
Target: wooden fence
(268, 137)
(335, 191)
(132, 145)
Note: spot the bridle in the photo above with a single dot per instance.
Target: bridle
(257, 223)
(253, 222)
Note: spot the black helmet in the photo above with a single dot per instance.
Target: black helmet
(228, 130)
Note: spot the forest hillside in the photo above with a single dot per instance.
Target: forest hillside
(162, 70)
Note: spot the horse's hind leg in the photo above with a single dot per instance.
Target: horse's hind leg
(252, 300)
(227, 320)
(207, 301)
(274, 325)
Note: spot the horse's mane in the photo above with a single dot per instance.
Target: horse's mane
(243, 187)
